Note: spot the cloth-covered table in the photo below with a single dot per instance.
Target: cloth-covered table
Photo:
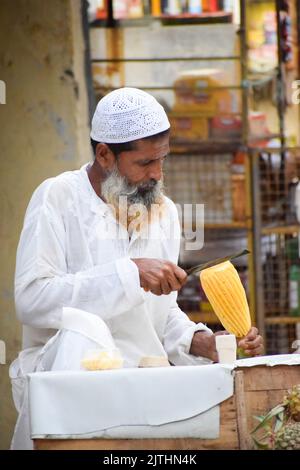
(192, 407)
(129, 403)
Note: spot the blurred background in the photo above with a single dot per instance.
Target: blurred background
(227, 73)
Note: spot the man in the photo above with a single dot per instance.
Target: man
(89, 274)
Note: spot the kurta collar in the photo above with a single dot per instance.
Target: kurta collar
(97, 205)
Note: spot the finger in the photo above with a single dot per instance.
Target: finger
(173, 280)
(252, 334)
(255, 352)
(246, 344)
(156, 290)
(165, 287)
(180, 274)
(173, 283)
(165, 276)
(155, 287)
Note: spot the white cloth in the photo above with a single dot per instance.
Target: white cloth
(128, 114)
(79, 403)
(276, 360)
(80, 331)
(67, 258)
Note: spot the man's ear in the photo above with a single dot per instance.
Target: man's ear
(104, 156)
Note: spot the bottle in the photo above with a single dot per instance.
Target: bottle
(213, 6)
(195, 7)
(228, 5)
(135, 9)
(294, 290)
(205, 5)
(174, 7)
(155, 8)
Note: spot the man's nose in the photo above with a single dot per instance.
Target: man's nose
(155, 172)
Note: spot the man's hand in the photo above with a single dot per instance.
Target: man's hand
(252, 344)
(204, 344)
(160, 276)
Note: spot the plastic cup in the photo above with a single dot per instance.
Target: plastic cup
(226, 348)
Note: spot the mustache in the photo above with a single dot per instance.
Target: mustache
(116, 186)
(140, 188)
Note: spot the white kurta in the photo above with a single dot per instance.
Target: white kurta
(67, 258)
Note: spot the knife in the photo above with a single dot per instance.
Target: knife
(209, 264)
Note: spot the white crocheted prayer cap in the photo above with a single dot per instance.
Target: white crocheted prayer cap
(127, 114)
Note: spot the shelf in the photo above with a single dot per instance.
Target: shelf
(203, 317)
(282, 320)
(203, 18)
(258, 1)
(100, 87)
(166, 20)
(174, 59)
(260, 79)
(204, 147)
(228, 225)
(281, 230)
(213, 146)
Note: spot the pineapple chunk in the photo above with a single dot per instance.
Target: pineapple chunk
(102, 360)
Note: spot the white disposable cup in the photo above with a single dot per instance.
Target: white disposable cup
(226, 348)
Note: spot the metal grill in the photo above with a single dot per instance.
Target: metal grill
(278, 177)
(201, 179)
(279, 338)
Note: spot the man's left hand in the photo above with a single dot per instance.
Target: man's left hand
(204, 344)
(252, 343)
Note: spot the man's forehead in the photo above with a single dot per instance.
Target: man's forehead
(146, 156)
(150, 149)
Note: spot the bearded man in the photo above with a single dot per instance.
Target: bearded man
(86, 273)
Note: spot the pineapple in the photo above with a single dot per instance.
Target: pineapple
(280, 428)
(225, 292)
(292, 402)
(288, 437)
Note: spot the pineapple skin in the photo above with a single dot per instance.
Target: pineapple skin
(288, 438)
(292, 402)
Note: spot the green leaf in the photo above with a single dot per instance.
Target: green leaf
(279, 422)
(274, 412)
(259, 418)
(260, 445)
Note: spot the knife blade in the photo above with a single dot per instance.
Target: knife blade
(199, 267)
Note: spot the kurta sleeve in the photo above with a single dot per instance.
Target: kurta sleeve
(178, 335)
(179, 330)
(43, 285)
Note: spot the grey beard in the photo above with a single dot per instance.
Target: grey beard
(116, 186)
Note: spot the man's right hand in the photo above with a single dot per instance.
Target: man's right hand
(160, 276)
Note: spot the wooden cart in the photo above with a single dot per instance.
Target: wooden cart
(256, 390)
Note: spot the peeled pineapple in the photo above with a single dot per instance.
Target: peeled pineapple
(154, 361)
(225, 292)
(102, 360)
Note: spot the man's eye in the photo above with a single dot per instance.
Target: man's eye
(148, 162)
